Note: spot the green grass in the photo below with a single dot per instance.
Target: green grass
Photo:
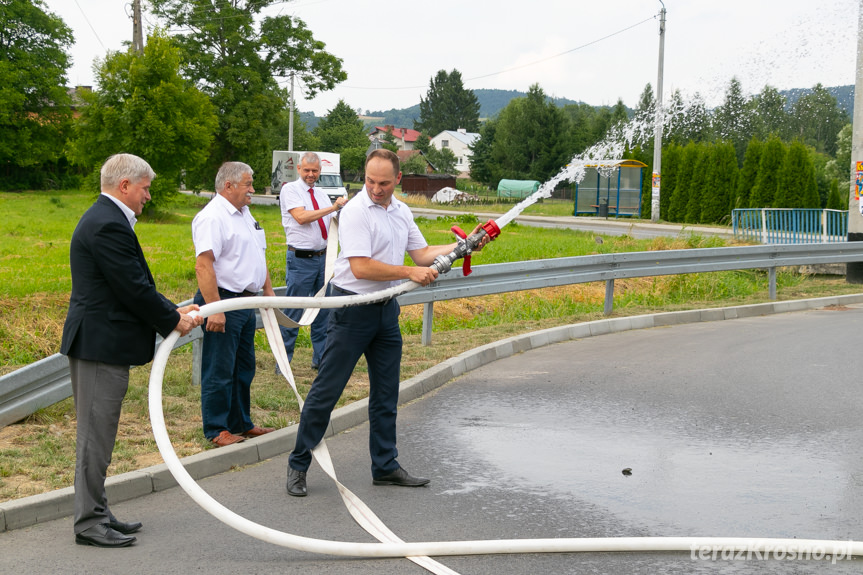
(35, 280)
(37, 454)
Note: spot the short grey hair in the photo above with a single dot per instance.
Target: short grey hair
(231, 172)
(124, 167)
(310, 158)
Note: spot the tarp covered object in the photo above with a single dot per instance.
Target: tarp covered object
(516, 188)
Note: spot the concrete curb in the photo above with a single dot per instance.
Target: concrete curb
(28, 511)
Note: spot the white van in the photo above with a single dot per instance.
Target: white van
(285, 165)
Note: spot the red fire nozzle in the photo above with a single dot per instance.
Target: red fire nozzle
(489, 228)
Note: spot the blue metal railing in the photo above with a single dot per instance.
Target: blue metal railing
(790, 225)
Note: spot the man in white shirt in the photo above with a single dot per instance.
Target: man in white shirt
(375, 231)
(230, 262)
(306, 214)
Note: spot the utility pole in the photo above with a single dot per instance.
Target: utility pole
(291, 119)
(137, 28)
(854, 270)
(657, 137)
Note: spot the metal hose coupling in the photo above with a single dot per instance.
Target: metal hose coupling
(464, 247)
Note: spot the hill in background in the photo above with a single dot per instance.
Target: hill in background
(491, 102)
(844, 96)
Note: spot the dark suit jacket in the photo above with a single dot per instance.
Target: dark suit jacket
(115, 310)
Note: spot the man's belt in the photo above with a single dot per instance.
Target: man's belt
(245, 293)
(336, 290)
(307, 253)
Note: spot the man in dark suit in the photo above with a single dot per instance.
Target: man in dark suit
(114, 314)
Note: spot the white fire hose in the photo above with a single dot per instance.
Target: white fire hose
(798, 547)
(390, 544)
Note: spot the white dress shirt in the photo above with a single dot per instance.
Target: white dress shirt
(127, 211)
(369, 230)
(238, 244)
(303, 237)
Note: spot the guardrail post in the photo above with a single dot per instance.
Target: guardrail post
(197, 359)
(609, 296)
(428, 313)
(772, 276)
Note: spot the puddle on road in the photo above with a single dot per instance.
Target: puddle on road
(714, 477)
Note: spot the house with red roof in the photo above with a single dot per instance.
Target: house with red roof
(405, 138)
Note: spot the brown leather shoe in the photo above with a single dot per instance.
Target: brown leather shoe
(258, 431)
(227, 438)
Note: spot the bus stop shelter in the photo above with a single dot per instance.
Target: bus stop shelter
(610, 188)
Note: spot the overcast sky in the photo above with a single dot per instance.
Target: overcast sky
(391, 48)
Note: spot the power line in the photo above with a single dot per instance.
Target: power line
(563, 53)
(90, 25)
(514, 67)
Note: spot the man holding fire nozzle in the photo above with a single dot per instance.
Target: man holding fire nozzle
(375, 231)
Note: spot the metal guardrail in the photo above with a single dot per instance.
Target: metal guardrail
(790, 225)
(47, 381)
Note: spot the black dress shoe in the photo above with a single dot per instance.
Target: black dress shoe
(400, 477)
(125, 528)
(296, 482)
(101, 535)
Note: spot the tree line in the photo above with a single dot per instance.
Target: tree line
(757, 151)
(214, 89)
(210, 91)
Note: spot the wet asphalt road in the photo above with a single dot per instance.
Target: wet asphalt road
(749, 427)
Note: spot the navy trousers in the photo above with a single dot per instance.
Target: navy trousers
(227, 371)
(370, 330)
(303, 278)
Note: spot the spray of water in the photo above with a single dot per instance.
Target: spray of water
(624, 136)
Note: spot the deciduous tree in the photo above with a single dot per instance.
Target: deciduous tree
(144, 107)
(416, 164)
(531, 138)
(443, 160)
(769, 117)
(34, 104)
(817, 120)
(342, 132)
(237, 57)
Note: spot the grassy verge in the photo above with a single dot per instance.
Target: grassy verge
(37, 454)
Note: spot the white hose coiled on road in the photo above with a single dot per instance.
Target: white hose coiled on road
(699, 547)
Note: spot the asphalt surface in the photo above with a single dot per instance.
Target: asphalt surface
(749, 428)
